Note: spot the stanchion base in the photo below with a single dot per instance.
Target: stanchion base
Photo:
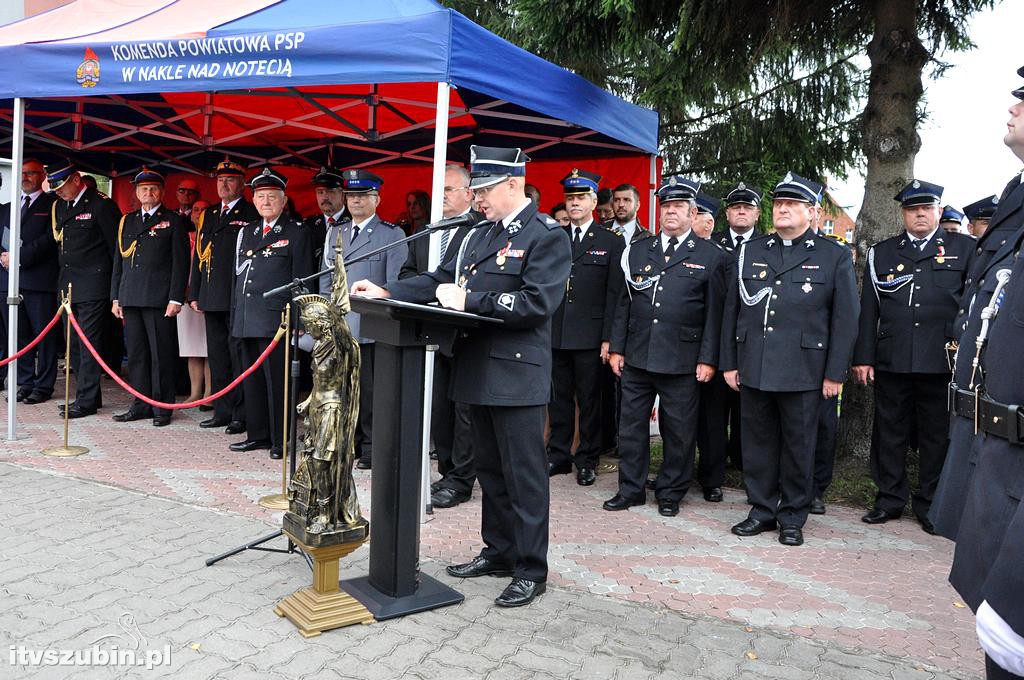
(65, 451)
(324, 606)
(275, 501)
(430, 594)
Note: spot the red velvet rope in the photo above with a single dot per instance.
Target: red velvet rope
(37, 340)
(161, 404)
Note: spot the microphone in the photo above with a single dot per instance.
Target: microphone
(468, 219)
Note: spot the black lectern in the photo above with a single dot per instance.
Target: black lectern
(395, 587)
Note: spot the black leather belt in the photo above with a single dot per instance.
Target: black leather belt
(1001, 420)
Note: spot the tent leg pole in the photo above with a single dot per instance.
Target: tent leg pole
(436, 212)
(651, 203)
(17, 150)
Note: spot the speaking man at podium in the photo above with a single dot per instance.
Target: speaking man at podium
(513, 267)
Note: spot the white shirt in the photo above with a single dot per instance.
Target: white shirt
(33, 196)
(999, 641)
(629, 228)
(79, 196)
(746, 237)
(927, 238)
(505, 221)
(583, 230)
(229, 204)
(665, 237)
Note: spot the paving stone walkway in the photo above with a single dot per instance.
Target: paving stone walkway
(876, 594)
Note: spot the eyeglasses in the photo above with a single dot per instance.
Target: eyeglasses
(449, 190)
(483, 191)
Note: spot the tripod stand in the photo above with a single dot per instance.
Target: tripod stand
(291, 391)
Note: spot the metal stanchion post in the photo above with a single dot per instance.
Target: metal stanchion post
(279, 501)
(66, 450)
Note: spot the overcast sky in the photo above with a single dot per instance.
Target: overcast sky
(962, 139)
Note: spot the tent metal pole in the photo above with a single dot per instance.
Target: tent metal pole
(651, 202)
(14, 250)
(433, 260)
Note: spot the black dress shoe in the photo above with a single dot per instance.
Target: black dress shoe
(250, 445)
(620, 502)
(79, 412)
(562, 468)
(585, 476)
(791, 536)
(817, 506)
(520, 592)
(23, 394)
(448, 498)
(161, 421)
(132, 415)
(713, 494)
(880, 516)
(667, 508)
(651, 484)
(276, 453)
(215, 422)
(235, 427)
(364, 463)
(433, 454)
(926, 524)
(479, 566)
(205, 407)
(436, 486)
(753, 527)
(37, 398)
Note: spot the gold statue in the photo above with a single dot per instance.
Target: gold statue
(323, 505)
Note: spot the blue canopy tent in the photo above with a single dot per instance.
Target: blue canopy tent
(117, 84)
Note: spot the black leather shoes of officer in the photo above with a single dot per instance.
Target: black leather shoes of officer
(880, 516)
(447, 498)
(753, 527)
(75, 405)
(250, 445)
(620, 502)
(77, 411)
(479, 566)
(235, 427)
(520, 592)
(215, 422)
(817, 506)
(586, 476)
(161, 421)
(364, 463)
(791, 536)
(713, 494)
(562, 468)
(133, 414)
(276, 453)
(926, 524)
(667, 508)
(23, 393)
(37, 398)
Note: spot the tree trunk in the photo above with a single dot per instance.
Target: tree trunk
(890, 143)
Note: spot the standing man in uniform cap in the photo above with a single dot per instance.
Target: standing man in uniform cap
(513, 267)
(187, 194)
(742, 213)
(979, 214)
(707, 206)
(449, 420)
(330, 198)
(272, 251)
(795, 326)
(37, 285)
(951, 219)
(210, 285)
(580, 332)
(363, 233)
(84, 224)
(665, 342)
(148, 286)
(912, 287)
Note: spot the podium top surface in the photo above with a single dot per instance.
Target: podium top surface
(399, 310)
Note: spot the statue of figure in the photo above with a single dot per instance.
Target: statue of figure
(329, 503)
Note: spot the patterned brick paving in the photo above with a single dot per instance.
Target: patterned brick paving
(879, 589)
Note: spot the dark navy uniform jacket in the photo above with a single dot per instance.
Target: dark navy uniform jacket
(85, 235)
(38, 267)
(669, 317)
(152, 264)
(213, 267)
(584, 319)
(516, 274)
(795, 322)
(909, 304)
(264, 263)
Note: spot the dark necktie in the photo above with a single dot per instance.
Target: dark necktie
(739, 240)
(671, 250)
(146, 217)
(577, 236)
(919, 243)
(25, 202)
(355, 233)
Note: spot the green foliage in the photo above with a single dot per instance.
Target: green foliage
(746, 89)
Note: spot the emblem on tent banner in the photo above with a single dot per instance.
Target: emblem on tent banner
(88, 73)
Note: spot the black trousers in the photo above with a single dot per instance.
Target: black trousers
(825, 446)
(513, 472)
(264, 391)
(712, 431)
(994, 671)
(575, 378)
(611, 397)
(903, 400)
(37, 369)
(779, 430)
(734, 449)
(151, 340)
(364, 428)
(677, 416)
(451, 431)
(93, 318)
(225, 357)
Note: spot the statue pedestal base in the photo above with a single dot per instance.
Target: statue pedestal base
(323, 606)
